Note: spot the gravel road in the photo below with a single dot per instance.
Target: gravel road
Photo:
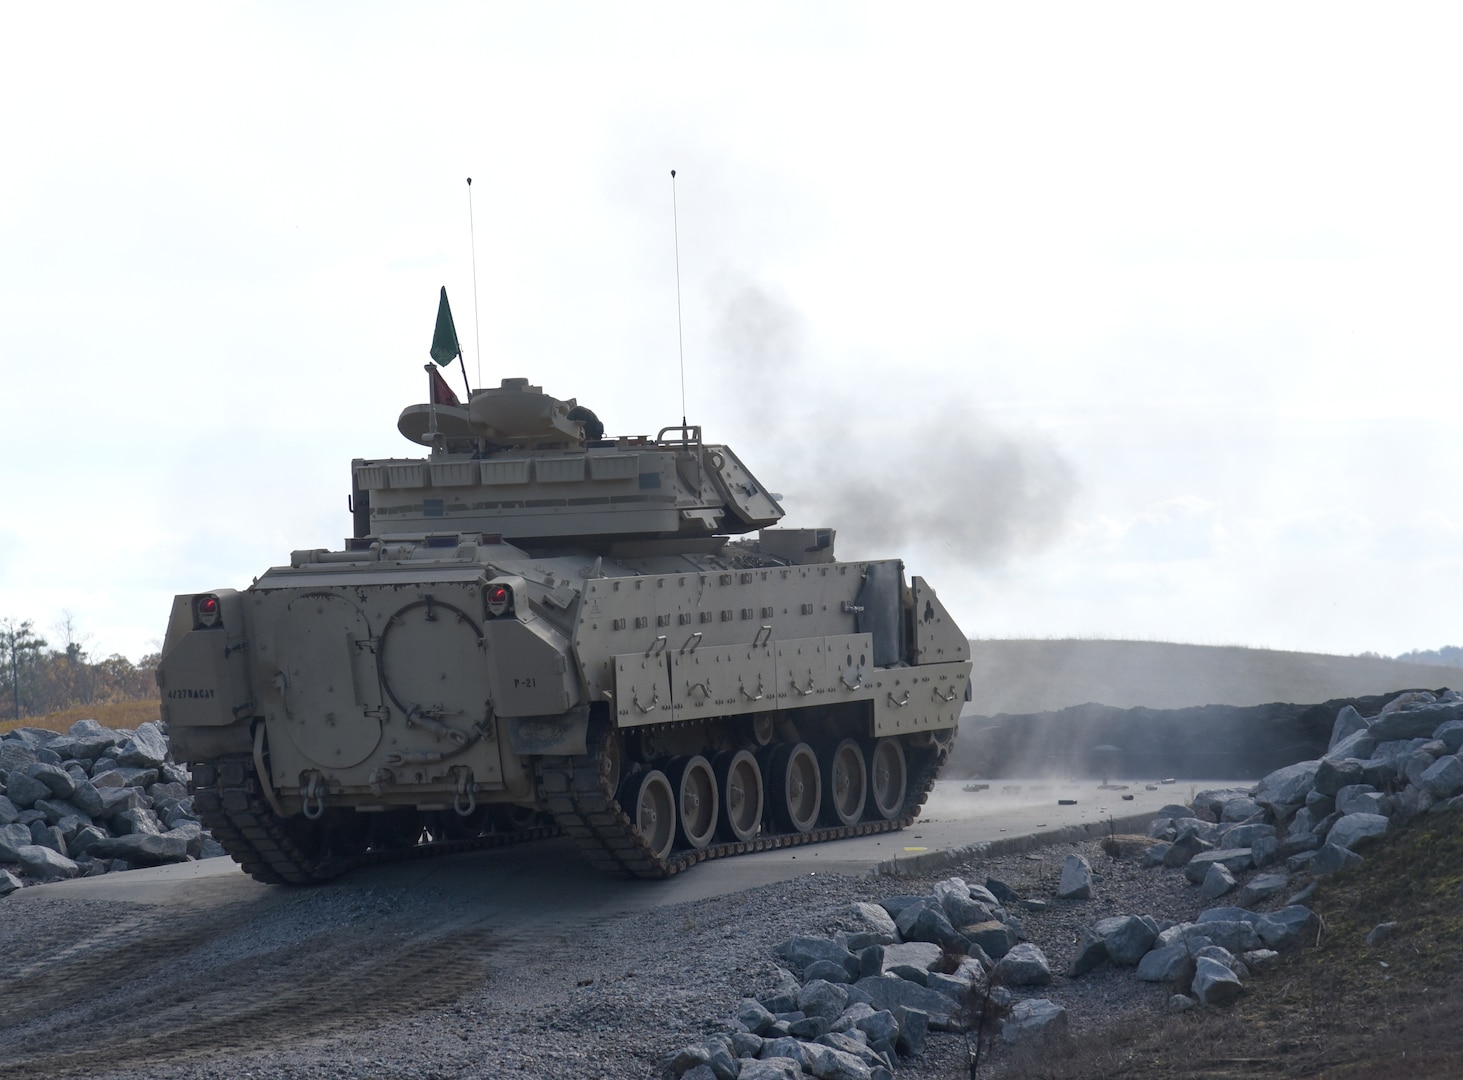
(370, 976)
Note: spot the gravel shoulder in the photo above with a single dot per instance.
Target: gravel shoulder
(366, 978)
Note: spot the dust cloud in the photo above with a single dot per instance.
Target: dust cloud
(886, 459)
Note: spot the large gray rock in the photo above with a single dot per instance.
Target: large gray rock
(1091, 955)
(1348, 722)
(830, 1063)
(827, 970)
(822, 998)
(880, 1028)
(117, 800)
(142, 849)
(1240, 808)
(755, 1016)
(15, 755)
(1210, 802)
(1170, 964)
(1358, 799)
(1185, 847)
(1354, 829)
(1214, 983)
(1333, 775)
(13, 837)
(25, 791)
(1076, 879)
(87, 797)
(877, 920)
(784, 1047)
(1127, 938)
(993, 938)
(1414, 723)
(919, 954)
(83, 748)
(771, 1068)
(1244, 836)
(137, 820)
(1358, 745)
(855, 1044)
(892, 993)
(1444, 778)
(1286, 787)
(1034, 1018)
(927, 921)
(8, 883)
(1217, 882)
(914, 1027)
(1235, 860)
(963, 910)
(1291, 925)
(146, 749)
(45, 864)
(1451, 736)
(57, 810)
(8, 810)
(1262, 887)
(1024, 965)
(56, 779)
(1236, 935)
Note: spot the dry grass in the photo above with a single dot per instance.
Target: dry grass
(117, 715)
(1339, 1010)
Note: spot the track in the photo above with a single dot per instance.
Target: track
(579, 792)
(228, 801)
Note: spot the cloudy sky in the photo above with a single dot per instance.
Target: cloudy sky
(1115, 321)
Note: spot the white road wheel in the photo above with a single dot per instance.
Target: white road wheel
(741, 794)
(655, 812)
(888, 777)
(845, 782)
(696, 801)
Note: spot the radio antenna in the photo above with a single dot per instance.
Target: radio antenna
(680, 342)
(477, 326)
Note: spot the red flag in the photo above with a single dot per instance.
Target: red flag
(441, 393)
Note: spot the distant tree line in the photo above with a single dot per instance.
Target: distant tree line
(36, 679)
(1447, 656)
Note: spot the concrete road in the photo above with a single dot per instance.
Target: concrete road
(549, 880)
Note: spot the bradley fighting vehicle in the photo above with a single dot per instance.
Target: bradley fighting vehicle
(538, 628)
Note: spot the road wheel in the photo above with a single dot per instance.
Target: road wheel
(696, 802)
(845, 782)
(741, 794)
(888, 777)
(655, 811)
(797, 787)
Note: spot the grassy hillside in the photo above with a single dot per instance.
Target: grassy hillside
(1043, 676)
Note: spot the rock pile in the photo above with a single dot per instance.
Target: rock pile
(848, 1006)
(91, 801)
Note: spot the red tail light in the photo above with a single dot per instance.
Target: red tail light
(206, 610)
(500, 600)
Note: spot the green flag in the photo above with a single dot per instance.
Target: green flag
(444, 342)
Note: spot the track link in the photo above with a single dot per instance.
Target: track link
(228, 800)
(577, 791)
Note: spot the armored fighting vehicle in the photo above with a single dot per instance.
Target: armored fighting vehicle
(538, 628)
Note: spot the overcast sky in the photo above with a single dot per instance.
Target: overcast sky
(1110, 320)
